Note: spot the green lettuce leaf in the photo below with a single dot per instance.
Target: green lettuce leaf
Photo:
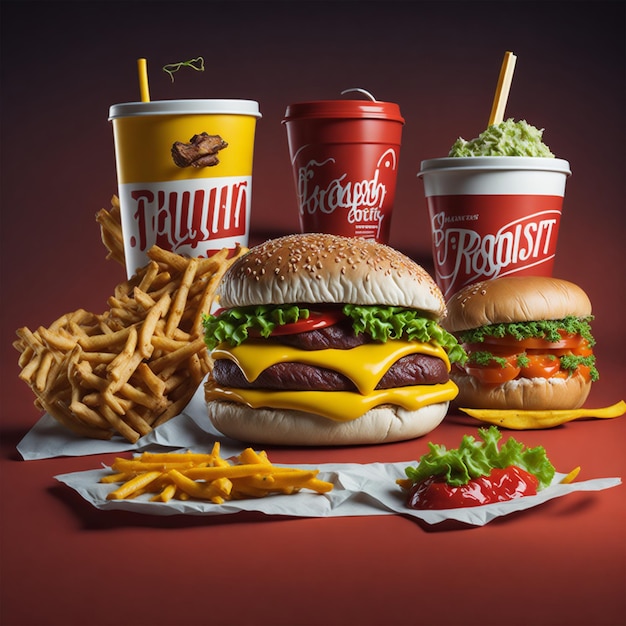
(393, 322)
(474, 458)
(379, 322)
(570, 362)
(508, 138)
(233, 325)
(541, 329)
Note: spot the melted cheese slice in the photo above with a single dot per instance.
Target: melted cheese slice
(341, 406)
(364, 365)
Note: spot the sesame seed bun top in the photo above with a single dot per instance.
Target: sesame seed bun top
(329, 269)
(515, 299)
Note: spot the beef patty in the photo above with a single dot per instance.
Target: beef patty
(413, 369)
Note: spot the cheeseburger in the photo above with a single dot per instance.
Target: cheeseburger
(528, 341)
(328, 340)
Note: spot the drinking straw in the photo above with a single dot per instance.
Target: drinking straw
(142, 68)
(502, 90)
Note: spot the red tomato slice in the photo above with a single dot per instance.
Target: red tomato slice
(540, 366)
(584, 349)
(494, 373)
(581, 370)
(569, 341)
(315, 321)
(503, 350)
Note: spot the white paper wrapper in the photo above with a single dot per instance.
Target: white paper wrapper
(368, 489)
(48, 439)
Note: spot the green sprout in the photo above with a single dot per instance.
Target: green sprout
(196, 64)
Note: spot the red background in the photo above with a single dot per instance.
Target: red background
(65, 63)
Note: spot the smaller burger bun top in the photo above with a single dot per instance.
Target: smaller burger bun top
(515, 299)
(329, 269)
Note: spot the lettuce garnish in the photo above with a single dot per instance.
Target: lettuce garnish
(542, 329)
(508, 138)
(232, 325)
(381, 323)
(473, 459)
(394, 322)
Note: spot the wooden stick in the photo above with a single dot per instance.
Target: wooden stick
(503, 88)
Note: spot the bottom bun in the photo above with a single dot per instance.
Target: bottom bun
(529, 394)
(382, 424)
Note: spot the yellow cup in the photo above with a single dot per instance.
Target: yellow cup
(184, 171)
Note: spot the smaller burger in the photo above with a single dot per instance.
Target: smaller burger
(328, 340)
(528, 341)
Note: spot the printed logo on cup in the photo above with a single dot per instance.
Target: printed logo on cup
(483, 237)
(354, 203)
(186, 217)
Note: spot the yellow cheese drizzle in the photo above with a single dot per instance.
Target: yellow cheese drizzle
(341, 406)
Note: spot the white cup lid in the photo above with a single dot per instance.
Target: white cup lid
(185, 107)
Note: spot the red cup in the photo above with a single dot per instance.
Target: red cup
(345, 155)
(493, 216)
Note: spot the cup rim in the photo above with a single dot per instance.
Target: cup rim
(185, 107)
(343, 109)
(494, 163)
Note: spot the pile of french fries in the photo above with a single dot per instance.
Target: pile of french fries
(138, 364)
(190, 475)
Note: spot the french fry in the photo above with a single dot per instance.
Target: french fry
(134, 467)
(56, 339)
(111, 230)
(43, 370)
(130, 487)
(151, 271)
(201, 476)
(252, 457)
(202, 491)
(120, 477)
(150, 380)
(149, 325)
(118, 425)
(121, 360)
(166, 494)
(99, 342)
(178, 304)
(320, 486)
(195, 459)
(176, 357)
(231, 471)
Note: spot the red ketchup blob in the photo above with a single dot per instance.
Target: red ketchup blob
(501, 485)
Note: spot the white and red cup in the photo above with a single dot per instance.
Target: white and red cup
(493, 216)
(344, 155)
(193, 211)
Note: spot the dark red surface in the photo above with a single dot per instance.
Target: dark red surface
(63, 64)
